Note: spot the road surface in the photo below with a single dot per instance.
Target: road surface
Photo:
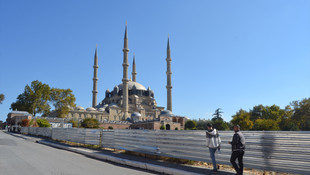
(24, 157)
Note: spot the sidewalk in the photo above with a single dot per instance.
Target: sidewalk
(129, 160)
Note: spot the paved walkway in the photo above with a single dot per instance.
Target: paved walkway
(128, 160)
(20, 156)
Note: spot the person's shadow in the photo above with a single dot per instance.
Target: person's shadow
(267, 143)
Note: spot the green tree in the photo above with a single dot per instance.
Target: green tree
(34, 99)
(43, 123)
(74, 123)
(242, 118)
(257, 112)
(217, 114)
(90, 123)
(218, 122)
(162, 127)
(2, 97)
(202, 124)
(266, 125)
(273, 112)
(287, 123)
(62, 99)
(302, 114)
(190, 124)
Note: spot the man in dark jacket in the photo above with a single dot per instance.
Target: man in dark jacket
(238, 146)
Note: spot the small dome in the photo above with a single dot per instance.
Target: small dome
(166, 113)
(79, 108)
(69, 107)
(136, 114)
(113, 105)
(90, 109)
(101, 109)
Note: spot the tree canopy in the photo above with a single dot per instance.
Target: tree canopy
(295, 116)
(34, 99)
(301, 115)
(217, 114)
(62, 100)
(37, 97)
(218, 122)
(243, 119)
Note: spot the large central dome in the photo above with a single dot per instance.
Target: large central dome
(131, 84)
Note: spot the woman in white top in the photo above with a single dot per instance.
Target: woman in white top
(213, 143)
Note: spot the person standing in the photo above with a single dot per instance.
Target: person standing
(213, 143)
(238, 146)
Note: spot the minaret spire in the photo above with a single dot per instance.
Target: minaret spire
(134, 73)
(95, 79)
(125, 74)
(169, 86)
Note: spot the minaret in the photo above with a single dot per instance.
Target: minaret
(95, 79)
(169, 87)
(125, 75)
(134, 73)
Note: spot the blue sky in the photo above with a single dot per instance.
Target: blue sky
(225, 54)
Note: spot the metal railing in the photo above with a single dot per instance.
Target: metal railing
(280, 151)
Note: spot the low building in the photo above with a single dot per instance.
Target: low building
(16, 117)
(167, 120)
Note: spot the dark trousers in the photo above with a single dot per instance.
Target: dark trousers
(234, 156)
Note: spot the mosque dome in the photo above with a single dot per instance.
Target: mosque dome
(136, 114)
(166, 113)
(90, 109)
(131, 84)
(79, 108)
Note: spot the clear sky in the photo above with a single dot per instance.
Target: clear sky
(225, 54)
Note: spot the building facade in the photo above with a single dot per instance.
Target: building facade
(130, 101)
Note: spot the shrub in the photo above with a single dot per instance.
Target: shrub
(190, 124)
(43, 123)
(74, 123)
(25, 123)
(162, 127)
(90, 123)
(110, 127)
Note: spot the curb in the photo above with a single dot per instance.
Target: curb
(132, 163)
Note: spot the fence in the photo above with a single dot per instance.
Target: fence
(280, 151)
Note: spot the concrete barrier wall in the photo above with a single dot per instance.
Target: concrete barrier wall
(270, 151)
(24, 130)
(46, 132)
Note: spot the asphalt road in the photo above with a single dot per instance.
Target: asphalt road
(23, 157)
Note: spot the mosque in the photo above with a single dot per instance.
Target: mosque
(130, 102)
